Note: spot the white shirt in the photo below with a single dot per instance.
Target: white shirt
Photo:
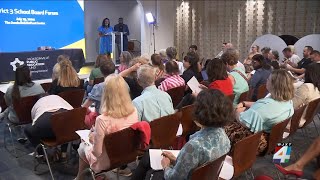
(49, 103)
(240, 65)
(295, 59)
(180, 65)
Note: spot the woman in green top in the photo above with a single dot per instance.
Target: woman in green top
(237, 75)
(266, 112)
(96, 72)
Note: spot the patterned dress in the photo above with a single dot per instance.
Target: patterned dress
(205, 145)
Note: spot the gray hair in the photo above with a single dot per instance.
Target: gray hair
(171, 52)
(163, 53)
(146, 75)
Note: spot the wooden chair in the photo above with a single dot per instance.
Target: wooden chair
(122, 148)
(22, 108)
(98, 80)
(73, 97)
(164, 130)
(187, 122)
(46, 86)
(244, 96)
(209, 170)
(231, 97)
(64, 125)
(262, 91)
(244, 153)
(295, 121)
(311, 111)
(176, 94)
(276, 135)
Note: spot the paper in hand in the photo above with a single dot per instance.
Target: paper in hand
(84, 135)
(194, 84)
(156, 157)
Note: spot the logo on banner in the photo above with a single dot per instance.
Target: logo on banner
(15, 63)
(282, 153)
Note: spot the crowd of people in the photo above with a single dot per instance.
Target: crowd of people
(138, 92)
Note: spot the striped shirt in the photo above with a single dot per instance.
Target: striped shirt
(171, 82)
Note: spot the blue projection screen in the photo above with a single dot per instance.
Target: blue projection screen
(27, 25)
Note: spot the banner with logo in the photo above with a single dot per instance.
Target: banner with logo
(39, 62)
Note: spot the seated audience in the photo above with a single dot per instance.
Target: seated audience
(152, 103)
(192, 67)
(265, 113)
(113, 118)
(248, 63)
(261, 74)
(237, 75)
(211, 112)
(171, 55)
(22, 87)
(107, 67)
(274, 57)
(41, 121)
(125, 58)
(56, 67)
(290, 58)
(315, 56)
(218, 77)
(296, 169)
(163, 56)
(255, 49)
(266, 52)
(301, 66)
(157, 63)
(130, 76)
(96, 72)
(68, 79)
(309, 90)
(172, 78)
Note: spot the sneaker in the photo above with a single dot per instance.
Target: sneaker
(22, 140)
(123, 172)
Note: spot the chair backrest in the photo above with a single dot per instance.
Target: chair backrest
(98, 80)
(209, 170)
(46, 86)
(164, 130)
(81, 83)
(65, 124)
(262, 91)
(158, 81)
(176, 94)
(186, 120)
(231, 97)
(276, 135)
(3, 104)
(122, 146)
(244, 153)
(295, 119)
(244, 96)
(311, 111)
(73, 97)
(23, 107)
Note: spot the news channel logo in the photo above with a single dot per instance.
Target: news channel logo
(282, 153)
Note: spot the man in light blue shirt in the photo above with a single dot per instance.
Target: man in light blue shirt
(152, 103)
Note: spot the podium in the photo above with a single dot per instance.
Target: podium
(116, 47)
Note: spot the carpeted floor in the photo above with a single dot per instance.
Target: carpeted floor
(12, 168)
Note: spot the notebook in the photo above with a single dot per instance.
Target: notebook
(84, 135)
(156, 157)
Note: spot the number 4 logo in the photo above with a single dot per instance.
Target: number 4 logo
(282, 154)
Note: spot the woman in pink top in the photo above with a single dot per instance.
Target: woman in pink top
(114, 117)
(125, 58)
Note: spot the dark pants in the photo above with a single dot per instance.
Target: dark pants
(144, 170)
(42, 129)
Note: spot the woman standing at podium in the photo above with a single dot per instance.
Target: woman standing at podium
(105, 42)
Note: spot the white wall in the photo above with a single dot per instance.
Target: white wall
(96, 11)
(164, 32)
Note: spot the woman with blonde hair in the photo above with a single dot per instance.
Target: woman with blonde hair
(263, 114)
(125, 58)
(113, 118)
(68, 78)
